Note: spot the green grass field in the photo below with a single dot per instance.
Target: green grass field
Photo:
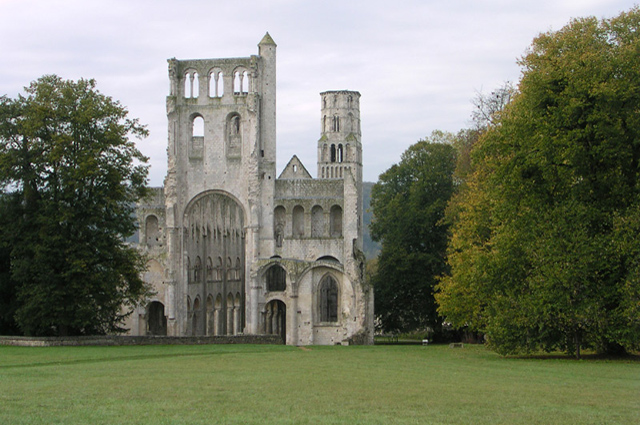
(227, 384)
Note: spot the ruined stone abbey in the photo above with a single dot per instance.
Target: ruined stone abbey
(235, 250)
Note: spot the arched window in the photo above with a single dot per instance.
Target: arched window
(197, 270)
(229, 268)
(234, 125)
(298, 222)
(198, 126)
(234, 135)
(336, 123)
(238, 268)
(276, 278)
(156, 320)
(333, 153)
(336, 221)
(216, 83)
(340, 153)
(240, 82)
(244, 84)
(191, 84)
(210, 319)
(219, 269)
(328, 299)
(209, 269)
(195, 327)
(151, 230)
(220, 84)
(317, 222)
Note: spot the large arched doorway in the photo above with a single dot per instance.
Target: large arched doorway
(156, 320)
(214, 242)
(275, 319)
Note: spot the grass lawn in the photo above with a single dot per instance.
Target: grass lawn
(252, 384)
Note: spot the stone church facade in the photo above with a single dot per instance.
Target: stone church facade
(234, 250)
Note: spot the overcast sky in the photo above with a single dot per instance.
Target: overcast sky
(417, 63)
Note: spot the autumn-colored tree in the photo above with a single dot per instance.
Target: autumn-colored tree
(544, 252)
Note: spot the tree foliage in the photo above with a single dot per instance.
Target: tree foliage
(408, 205)
(69, 177)
(544, 251)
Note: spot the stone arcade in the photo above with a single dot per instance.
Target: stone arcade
(232, 248)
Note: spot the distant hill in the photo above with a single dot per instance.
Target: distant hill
(371, 248)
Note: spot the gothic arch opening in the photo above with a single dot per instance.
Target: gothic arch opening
(275, 319)
(151, 231)
(198, 126)
(328, 299)
(234, 135)
(156, 319)
(191, 84)
(214, 241)
(216, 83)
(276, 278)
(209, 321)
(195, 317)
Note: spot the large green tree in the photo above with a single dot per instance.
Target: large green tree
(544, 252)
(408, 204)
(69, 176)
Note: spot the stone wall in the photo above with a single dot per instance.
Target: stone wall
(21, 341)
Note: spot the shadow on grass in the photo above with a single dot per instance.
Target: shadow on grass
(586, 357)
(126, 358)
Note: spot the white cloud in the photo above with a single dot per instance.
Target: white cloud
(417, 63)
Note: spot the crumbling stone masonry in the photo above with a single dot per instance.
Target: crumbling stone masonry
(235, 250)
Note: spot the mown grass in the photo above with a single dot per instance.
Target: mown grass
(230, 384)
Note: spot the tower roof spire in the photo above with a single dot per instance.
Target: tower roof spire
(267, 40)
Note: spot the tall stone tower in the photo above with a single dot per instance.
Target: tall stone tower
(340, 147)
(219, 186)
(340, 143)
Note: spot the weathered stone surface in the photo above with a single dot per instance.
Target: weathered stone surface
(136, 340)
(223, 219)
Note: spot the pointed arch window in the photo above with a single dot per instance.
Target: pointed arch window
(328, 299)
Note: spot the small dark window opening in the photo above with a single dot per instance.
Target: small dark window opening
(276, 278)
(333, 153)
